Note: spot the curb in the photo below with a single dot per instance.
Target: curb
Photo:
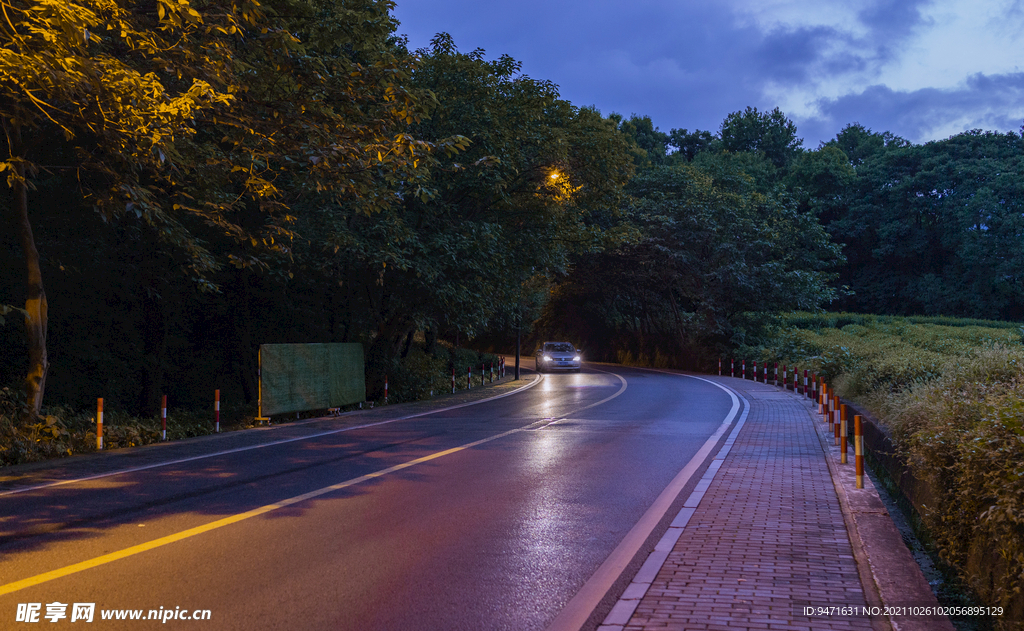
(890, 576)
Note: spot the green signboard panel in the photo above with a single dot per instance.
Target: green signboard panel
(299, 377)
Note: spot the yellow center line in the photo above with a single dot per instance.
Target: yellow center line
(227, 521)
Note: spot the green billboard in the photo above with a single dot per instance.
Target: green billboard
(299, 377)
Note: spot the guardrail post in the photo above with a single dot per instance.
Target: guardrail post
(99, 424)
(858, 450)
(842, 434)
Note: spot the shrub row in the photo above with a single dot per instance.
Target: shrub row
(951, 392)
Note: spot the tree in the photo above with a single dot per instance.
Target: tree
(935, 228)
(503, 215)
(688, 144)
(647, 137)
(206, 128)
(713, 248)
(769, 133)
(69, 71)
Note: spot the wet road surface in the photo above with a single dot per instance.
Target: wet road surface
(491, 516)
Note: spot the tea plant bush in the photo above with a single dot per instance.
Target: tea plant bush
(951, 392)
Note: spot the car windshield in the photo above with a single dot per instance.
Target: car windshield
(558, 347)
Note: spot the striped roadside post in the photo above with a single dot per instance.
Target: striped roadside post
(785, 373)
(482, 379)
(835, 420)
(755, 371)
(163, 417)
(858, 450)
(385, 389)
(766, 372)
(719, 366)
(216, 411)
(806, 393)
(732, 367)
(776, 374)
(469, 377)
(744, 371)
(99, 424)
(453, 379)
(842, 434)
(825, 401)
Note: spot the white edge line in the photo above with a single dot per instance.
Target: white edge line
(637, 589)
(540, 377)
(578, 610)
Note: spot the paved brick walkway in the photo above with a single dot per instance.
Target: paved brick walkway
(767, 537)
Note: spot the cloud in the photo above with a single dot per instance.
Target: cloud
(689, 63)
(981, 102)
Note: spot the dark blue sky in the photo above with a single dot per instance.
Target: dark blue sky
(922, 70)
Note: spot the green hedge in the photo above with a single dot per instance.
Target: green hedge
(951, 392)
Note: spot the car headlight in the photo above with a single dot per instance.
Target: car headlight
(547, 358)
(576, 359)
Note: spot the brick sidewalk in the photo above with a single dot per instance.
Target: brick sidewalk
(767, 537)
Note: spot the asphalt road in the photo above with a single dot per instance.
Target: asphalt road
(491, 516)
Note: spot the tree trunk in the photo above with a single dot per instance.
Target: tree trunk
(35, 297)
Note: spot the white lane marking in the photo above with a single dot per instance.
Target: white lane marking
(578, 610)
(626, 606)
(262, 445)
(605, 400)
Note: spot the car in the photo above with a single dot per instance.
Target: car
(553, 356)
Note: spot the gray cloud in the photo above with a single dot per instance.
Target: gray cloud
(689, 63)
(982, 102)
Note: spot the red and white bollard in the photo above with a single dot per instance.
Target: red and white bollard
(453, 379)
(385, 389)
(755, 371)
(806, 391)
(836, 420)
(766, 372)
(732, 367)
(776, 374)
(99, 424)
(744, 369)
(216, 411)
(719, 366)
(482, 374)
(842, 434)
(469, 377)
(163, 417)
(858, 450)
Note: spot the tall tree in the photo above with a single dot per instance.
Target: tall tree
(769, 133)
(206, 128)
(713, 247)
